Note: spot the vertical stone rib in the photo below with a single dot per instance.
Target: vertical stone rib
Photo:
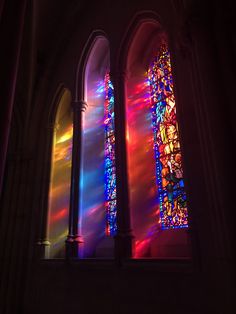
(123, 239)
(74, 239)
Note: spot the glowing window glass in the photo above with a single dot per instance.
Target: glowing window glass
(169, 172)
(110, 170)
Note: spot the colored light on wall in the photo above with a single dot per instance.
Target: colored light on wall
(141, 164)
(92, 213)
(67, 136)
(169, 172)
(110, 170)
(59, 196)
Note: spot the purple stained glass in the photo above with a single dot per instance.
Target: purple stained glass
(110, 170)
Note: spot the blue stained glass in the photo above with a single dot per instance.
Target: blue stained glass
(110, 170)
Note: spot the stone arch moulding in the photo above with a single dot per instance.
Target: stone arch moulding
(94, 67)
(136, 22)
(50, 130)
(158, 219)
(76, 243)
(51, 119)
(81, 67)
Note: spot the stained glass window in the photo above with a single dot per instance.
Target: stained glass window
(169, 171)
(110, 170)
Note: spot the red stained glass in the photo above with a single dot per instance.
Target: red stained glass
(169, 173)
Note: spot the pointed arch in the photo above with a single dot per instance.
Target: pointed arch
(151, 192)
(59, 192)
(81, 67)
(93, 209)
(138, 20)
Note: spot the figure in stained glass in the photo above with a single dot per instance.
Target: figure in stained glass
(169, 172)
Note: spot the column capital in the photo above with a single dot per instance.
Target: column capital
(79, 105)
(44, 242)
(74, 238)
(74, 245)
(43, 247)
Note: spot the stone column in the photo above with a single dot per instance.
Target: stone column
(74, 241)
(123, 239)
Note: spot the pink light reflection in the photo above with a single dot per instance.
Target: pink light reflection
(141, 247)
(94, 209)
(141, 167)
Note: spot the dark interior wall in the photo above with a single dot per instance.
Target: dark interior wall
(105, 288)
(203, 51)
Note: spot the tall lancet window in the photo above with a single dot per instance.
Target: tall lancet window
(169, 172)
(98, 186)
(110, 169)
(158, 207)
(59, 195)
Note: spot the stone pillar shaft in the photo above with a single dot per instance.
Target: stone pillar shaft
(123, 239)
(74, 239)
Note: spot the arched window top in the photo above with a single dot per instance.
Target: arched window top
(98, 194)
(63, 108)
(156, 186)
(146, 41)
(59, 195)
(98, 62)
